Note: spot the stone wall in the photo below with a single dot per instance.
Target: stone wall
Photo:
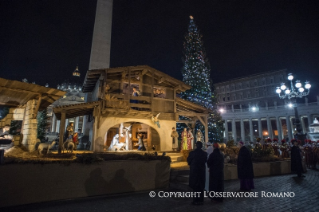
(15, 114)
(260, 169)
(30, 183)
(30, 125)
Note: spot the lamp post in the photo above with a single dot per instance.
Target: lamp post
(293, 92)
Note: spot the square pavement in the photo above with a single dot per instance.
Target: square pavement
(306, 198)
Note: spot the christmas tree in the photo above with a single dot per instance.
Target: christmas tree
(196, 73)
(42, 123)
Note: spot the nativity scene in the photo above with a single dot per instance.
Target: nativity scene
(134, 108)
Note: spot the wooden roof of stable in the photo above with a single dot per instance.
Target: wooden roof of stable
(93, 75)
(75, 110)
(184, 105)
(15, 93)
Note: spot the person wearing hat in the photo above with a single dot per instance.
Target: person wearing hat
(296, 164)
(209, 150)
(215, 163)
(245, 169)
(197, 160)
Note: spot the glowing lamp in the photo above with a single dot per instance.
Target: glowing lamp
(307, 85)
(283, 86)
(278, 90)
(290, 77)
(287, 91)
(253, 108)
(298, 84)
(290, 105)
(301, 89)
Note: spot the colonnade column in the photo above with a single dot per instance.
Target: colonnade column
(66, 122)
(309, 119)
(278, 123)
(57, 126)
(269, 128)
(83, 124)
(53, 123)
(234, 130)
(242, 130)
(260, 133)
(251, 130)
(76, 124)
(289, 127)
(302, 120)
(226, 130)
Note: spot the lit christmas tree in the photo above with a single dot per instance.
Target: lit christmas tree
(42, 123)
(196, 73)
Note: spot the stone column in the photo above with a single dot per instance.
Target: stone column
(53, 123)
(260, 133)
(241, 108)
(275, 104)
(251, 132)
(232, 108)
(242, 130)
(234, 130)
(269, 128)
(306, 101)
(289, 127)
(279, 130)
(226, 130)
(30, 126)
(76, 124)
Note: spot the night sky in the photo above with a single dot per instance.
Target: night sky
(44, 40)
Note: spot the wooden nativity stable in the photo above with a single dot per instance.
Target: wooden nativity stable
(111, 106)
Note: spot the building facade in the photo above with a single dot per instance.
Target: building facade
(251, 108)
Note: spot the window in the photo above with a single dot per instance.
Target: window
(224, 99)
(247, 84)
(255, 83)
(271, 80)
(64, 96)
(248, 95)
(82, 97)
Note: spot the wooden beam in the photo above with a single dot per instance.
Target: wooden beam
(62, 128)
(201, 119)
(185, 113)
(185, 121)
(140, 105)
(38, 106)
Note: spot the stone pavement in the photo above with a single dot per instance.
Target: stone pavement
(306, 199)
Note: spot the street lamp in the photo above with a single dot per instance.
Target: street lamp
(294, 91)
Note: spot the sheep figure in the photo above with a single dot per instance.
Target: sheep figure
(68, 145)
(47, 146)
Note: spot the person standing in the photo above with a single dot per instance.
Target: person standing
(215, 163)
(209, 150)
(245, 168)
(190, 139)
(296, 160)
(174, 136)
(184, 143)
(197, 160)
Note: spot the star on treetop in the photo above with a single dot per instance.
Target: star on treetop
(191, 17)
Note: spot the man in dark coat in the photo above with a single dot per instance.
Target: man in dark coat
(296, 164)
(245, 168)
(197, 160)
(215, 163)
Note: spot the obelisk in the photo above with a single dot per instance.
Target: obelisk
(101, 42)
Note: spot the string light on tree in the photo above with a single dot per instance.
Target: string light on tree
(196, 73)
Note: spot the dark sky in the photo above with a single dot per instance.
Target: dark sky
(43, 40)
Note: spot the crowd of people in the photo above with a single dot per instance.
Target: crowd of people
(207, 169)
